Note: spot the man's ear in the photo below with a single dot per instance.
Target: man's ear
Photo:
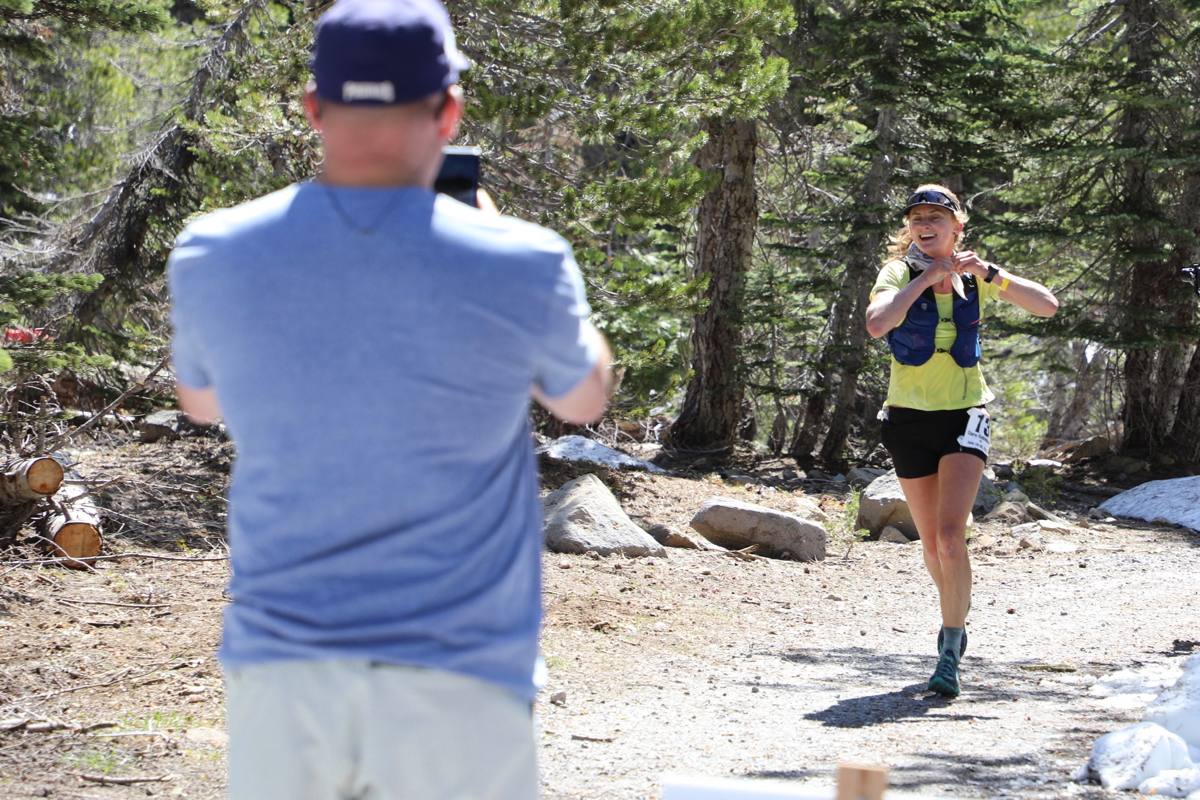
(452, 113)
(312, 108)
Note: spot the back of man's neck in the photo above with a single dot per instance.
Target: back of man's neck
(370, 176)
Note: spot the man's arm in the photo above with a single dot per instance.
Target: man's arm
(199, 404)
(587, 400)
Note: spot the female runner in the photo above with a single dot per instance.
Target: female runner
(928, 300)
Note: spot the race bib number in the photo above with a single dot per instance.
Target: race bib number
(978, 435)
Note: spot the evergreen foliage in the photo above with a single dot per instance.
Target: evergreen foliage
(35, 37)
(1071, 131)
(592, 114)
(1118, 180)
(885, 95)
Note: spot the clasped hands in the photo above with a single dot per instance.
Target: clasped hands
(953, 266)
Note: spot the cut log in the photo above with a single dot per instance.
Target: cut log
(29, 479)
(72, 527)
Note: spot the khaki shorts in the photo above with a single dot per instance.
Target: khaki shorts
(354, 730)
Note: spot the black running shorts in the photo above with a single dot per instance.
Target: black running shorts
(917, 440)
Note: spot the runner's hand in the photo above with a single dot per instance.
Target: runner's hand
(968, 261)
(941, 268)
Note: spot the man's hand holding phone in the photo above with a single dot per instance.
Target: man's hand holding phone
(459, 175)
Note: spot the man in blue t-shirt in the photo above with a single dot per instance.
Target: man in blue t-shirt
(372, 348)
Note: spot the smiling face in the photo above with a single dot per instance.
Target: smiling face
(934, 229)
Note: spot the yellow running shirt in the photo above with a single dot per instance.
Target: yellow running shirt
(939, 384)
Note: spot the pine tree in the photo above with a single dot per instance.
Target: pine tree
(592, 114)
(32, 32)
(1122, 177)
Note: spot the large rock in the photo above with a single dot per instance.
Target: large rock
(862, 476)
(1010, 513)
(988, 495)
(169, 425)
(1175, 501)
(1173, 783)
(893, 535)
(687, 540)
(883, 503)
(735, 524)
(583, 516)
(810, 509)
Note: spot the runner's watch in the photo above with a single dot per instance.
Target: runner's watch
(993, 270)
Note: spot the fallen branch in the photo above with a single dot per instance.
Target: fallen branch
(32, 562)
(125, 395)
(122, 675)
(46, 726)
(1083, 488)
(745, 554)
(74, 602)
(108, 780)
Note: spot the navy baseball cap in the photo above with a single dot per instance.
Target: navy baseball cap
(381, 52)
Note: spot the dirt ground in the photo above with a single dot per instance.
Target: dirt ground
(696, 663)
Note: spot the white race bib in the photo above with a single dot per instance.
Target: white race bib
(978, 435)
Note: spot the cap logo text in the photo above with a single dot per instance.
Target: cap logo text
(381, 91)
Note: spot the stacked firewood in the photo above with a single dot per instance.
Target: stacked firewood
(64, 515)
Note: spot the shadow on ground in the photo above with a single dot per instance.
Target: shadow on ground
(1028, 775)
(1007, 681)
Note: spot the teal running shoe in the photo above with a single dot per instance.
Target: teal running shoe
(945, 676)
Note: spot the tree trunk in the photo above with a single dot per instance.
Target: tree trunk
(1185, 433)
(1147, 286)
(843, 353)
(844, 410)
(1185, 430)
(114, 242)
(726, 223)
(1069, 417)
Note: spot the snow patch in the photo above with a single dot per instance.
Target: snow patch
(1175, 501)
(1135, 688)
(1161, 754)
(580, 448)
(1126, 758)
(1172, 783)
(1178, 708)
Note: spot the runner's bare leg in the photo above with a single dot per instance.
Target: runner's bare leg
(958, 483)
(922, 496)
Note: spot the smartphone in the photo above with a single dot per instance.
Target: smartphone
(459, 175)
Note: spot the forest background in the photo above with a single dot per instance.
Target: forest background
(728, 171)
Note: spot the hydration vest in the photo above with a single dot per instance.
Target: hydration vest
(912, 343)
